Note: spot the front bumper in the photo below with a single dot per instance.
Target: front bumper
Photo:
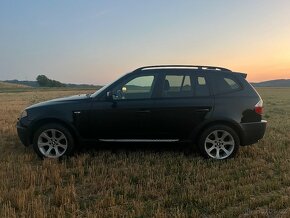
(23, 134)
(253, 132)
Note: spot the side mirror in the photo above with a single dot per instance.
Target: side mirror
(124, 89)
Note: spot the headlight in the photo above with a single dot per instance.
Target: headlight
(23, 114)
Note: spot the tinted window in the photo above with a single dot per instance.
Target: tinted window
(136, 88)
(226, 84)
(232, 83)
(201, 87)
(177, 86)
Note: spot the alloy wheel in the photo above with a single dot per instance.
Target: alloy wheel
(52, 143)
(219, 144)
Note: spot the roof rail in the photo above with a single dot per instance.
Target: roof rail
(198, 67)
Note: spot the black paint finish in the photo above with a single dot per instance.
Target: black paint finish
(95, 117)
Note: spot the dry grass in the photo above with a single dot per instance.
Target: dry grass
(144, 182)
(5, 85)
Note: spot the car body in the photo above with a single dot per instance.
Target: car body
(167, 103)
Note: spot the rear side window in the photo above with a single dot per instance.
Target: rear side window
(232, 84)
(226, 84)
(201, 86)
(185, 85)
(177, 86)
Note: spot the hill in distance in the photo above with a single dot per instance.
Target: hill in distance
(23, 82)
(273, 83)
(35, 84)
(6, 85)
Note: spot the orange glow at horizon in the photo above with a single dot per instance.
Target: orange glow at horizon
(264, 75)
(269, 63)
(268, 71)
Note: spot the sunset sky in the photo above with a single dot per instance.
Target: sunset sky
(97, 41)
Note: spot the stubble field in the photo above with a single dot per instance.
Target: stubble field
(145, 181)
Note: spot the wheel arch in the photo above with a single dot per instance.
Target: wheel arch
(232, 124)
(45, 121)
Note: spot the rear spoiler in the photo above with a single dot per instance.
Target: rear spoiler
(244, 75)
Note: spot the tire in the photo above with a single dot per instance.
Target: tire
(53, 141)
(219, 142)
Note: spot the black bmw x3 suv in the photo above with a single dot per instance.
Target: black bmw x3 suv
(211, 107)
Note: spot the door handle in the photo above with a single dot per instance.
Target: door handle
(202, 110)
(143, 111)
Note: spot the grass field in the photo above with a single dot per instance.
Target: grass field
(145, 182)
(10, 87)
(6, 87)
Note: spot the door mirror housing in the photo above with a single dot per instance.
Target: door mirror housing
(124, 89)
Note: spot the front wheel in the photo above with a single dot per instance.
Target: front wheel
(219, 142)
(53, 141)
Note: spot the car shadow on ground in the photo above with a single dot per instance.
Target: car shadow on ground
(133, 147)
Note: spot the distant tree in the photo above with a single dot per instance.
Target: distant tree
(43, 81)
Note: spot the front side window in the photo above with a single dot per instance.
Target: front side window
(177, 86)
(136, 88)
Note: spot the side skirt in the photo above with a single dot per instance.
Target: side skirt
(139, 140)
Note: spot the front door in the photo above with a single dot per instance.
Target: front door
(128, 114)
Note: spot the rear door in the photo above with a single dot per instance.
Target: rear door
(184, 101)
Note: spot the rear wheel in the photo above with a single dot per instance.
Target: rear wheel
(53, 141)
(219, 142)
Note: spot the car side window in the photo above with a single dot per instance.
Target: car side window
(232, 84)
(136, 88)
(177, 86)
(201, 86)
(226, 84)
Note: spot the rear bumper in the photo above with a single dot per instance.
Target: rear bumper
(23, 134)
(253, 132)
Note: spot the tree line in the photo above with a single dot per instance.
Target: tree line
(43, 81)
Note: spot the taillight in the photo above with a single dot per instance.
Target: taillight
(259, 107)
